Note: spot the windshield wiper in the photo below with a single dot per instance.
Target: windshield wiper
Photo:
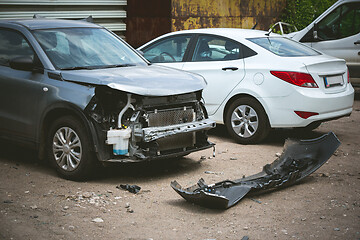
(98, 67)
(78, 68)
(118, 65)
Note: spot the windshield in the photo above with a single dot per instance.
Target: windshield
(284, 47)
(85, 48)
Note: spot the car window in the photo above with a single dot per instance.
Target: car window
(343, 22)
(71, 48)
(13, 45)
(171, 49)
(214, 48)
(284, 47)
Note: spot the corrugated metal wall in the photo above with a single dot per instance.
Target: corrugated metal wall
(108, 13)
(191, 14)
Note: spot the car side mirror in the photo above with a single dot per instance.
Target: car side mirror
(22, 63)
(140, 52)
(315, 32)
(315, 35)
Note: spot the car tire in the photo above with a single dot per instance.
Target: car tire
(246, 121)
(69, 149)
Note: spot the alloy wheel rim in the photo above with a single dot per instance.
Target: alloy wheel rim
(67, 149)
(244, 121)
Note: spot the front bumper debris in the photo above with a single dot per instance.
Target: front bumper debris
(181, 153)
(298, 160)
(154, 133)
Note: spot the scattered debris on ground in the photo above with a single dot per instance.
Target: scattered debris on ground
(131, 188)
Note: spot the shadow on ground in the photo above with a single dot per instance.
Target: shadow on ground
(22, 156)
(275, 137)
(145, 171)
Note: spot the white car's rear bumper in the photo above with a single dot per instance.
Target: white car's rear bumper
(328, 106)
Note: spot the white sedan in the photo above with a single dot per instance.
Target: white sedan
(258, 81)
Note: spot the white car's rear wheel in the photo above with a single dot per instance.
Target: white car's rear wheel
(246, 121)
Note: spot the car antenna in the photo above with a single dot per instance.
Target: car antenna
(268, 33)
(38, 16)
(253, 27)
(88, 19)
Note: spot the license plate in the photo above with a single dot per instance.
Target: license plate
(332, 81)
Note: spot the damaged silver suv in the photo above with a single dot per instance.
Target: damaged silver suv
(79, 94)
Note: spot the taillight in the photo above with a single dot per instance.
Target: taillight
(348, 73)
(305, 115)
(296, 78)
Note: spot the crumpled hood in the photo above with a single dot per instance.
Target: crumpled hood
(142, 80)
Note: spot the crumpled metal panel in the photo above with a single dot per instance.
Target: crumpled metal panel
(142, 80)
(298, 160)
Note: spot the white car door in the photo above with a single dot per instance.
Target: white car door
(219, 61)
(169, 51)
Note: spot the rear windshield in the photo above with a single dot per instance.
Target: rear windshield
(284, 47)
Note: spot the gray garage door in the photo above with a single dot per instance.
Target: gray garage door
(108, 13)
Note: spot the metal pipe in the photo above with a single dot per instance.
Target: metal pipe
(127, 106)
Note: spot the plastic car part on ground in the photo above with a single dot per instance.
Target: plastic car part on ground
(299, 159)
(131, 188)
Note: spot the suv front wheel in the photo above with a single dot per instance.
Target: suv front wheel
(70, 149)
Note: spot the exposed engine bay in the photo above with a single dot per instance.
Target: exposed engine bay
(137, 128)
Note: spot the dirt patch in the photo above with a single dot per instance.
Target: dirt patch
(36, 204)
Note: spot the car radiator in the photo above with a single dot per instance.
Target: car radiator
(167, 117)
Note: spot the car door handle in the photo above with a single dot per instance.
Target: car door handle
(357, 42)
(230, 68)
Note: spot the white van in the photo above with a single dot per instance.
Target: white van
(336, 32)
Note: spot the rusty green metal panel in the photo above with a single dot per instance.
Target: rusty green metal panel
(206, 8)
(191, 14)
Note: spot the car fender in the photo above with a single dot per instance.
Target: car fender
(243, 89)
(61, 103)
(59, 109)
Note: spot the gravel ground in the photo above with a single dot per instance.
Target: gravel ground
(36, 204)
